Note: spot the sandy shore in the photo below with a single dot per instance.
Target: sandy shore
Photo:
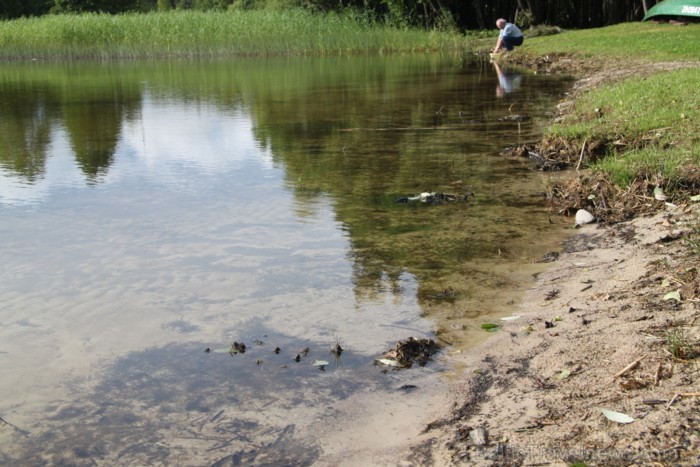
(592, 334)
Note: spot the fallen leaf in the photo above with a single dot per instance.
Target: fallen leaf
(659, 194)
(565, 373)
(616, 417)
(695, 198)
(320, 363)
(490, 327)
(673, 296)
(510, 318)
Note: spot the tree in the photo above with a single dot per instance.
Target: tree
(101, 6)
(17, 8)
(164, 5)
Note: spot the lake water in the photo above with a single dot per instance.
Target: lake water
(152, 210)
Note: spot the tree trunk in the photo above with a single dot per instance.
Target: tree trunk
(479, 8)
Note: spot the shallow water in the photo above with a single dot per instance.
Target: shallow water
(149, 211)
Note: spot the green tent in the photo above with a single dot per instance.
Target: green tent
(675, 9)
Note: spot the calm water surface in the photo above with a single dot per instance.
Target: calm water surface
(149, 211)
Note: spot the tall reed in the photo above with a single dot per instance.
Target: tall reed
(209, 33)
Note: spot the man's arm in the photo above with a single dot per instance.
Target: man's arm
(499, 43)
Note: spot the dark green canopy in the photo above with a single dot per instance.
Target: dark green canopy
(676, 9)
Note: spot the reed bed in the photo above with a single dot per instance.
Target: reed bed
(209, 33)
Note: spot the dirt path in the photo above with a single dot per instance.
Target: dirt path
(596, 331)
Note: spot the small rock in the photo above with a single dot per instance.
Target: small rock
(583, 217)
(478, 436)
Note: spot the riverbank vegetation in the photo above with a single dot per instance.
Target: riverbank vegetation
(459, 14)
(209, 33)
(622, 43)
(633, 120)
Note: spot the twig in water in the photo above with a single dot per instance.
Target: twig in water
(19, 430)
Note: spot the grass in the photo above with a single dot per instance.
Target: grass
(627, 41)
(210, 33)
(649, 125)
(644, 127)
(679, 345)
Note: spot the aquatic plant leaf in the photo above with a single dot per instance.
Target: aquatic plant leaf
(616, 417)
(510, 318)
(565, 373)
(673, 296)
(320, 363)
(490, 327)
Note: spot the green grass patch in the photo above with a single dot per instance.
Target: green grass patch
(649, 163)
(649, 125)
(645, 41)
(210, 33)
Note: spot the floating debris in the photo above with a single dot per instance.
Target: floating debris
(337, 350)
(321, 364)
(409, 351)
(237, 347)
(433, 198)
(388, 362)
